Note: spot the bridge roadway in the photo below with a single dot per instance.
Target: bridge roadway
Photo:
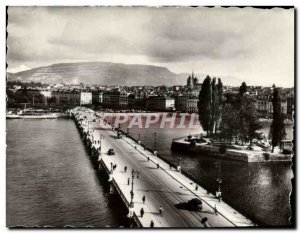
(161, 186)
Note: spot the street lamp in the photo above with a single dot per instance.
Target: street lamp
(219, 180)
(100, 141)
(179, 159)
(154, 141)
(178, 164)
(131, 192)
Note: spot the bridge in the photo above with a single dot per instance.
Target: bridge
(149, 176)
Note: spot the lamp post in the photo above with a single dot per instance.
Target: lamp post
(100, 144)
(219, 180)
(178, 164)
(132, 183)
(154, 141)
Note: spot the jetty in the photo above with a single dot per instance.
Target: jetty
(134, 173)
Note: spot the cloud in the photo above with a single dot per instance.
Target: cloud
(249, 43)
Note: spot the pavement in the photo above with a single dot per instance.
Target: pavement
(163, 186)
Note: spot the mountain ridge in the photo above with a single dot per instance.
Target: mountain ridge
(103, 73)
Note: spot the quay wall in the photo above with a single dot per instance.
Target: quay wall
(116, 187)
(244, 156)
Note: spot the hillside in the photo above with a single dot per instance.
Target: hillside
(107, 73)
(103, 73)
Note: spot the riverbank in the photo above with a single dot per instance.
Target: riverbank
(182, 145)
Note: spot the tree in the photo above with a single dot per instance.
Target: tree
(254, 125)
(52, 100)
(220, 103)
(21, 97)
(204, 105)
(277, 129)
(239, 119)
(214, 105)
(228, 123)
(243, 88)
(241, 103)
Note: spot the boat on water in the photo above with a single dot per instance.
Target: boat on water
(43, 116)
(31, 114)
(12, 116)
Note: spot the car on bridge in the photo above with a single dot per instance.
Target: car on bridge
(194, 204)
(119, 134)
(111, 152)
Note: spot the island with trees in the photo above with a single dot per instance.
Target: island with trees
(232, 128)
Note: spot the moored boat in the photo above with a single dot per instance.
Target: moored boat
(12, 116)
(31, 114)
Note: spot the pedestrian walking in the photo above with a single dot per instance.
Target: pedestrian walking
(215, 209)
(196, 187)
(161, 210)
(142, 212)
(144, 199)
(125, 169)
(158, 165)
(203, 221)
(132, 171)
(148, 159)
(170, 167)
(128, 181)
(151, 224)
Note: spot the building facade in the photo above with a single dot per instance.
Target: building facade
(85, 98)
(115, 99)
(97, 97)
(66, 97)
(160, 103)
(192, 105)
(74, 98)
(181, 103)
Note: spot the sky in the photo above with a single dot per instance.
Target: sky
(253, 45)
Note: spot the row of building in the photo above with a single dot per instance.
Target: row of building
(264, 105)
(160, 98)
(123, 100)
(120, 100)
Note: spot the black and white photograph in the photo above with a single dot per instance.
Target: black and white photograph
(150, 117)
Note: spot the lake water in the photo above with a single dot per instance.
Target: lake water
(51, 180)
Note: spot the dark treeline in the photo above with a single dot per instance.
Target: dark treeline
(232, 117)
